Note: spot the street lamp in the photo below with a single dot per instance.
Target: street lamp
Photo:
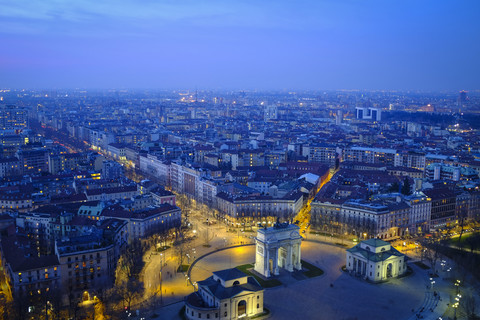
(161, 269)
(455, 305)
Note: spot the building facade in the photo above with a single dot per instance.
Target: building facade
(227, 294)
(375, 260)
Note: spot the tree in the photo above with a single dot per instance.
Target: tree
(55, 304)
(462, 217)
(73, 302)
(473, 242)
(432, 254)
(207, 236)
(469, 305)
(110, 299)
(130, 290)
(131, 261)
(179, 246)
(394, 187)
(406, 187)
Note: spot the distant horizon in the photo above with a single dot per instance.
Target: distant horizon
(246, 90)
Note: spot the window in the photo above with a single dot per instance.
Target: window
(199, 315)
(225, 314)
(258, 305)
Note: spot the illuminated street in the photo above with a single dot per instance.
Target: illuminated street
(303, 217)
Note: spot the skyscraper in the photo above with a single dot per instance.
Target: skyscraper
(462, 98)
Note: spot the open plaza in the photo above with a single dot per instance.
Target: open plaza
(336, 294)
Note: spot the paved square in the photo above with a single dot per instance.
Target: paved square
(334, 295)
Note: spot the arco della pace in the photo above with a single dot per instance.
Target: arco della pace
(278, 247)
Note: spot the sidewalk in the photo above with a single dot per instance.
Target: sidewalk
(176, 285)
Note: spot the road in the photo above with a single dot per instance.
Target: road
(304, 215)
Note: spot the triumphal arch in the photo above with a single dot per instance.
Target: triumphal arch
(278, 247)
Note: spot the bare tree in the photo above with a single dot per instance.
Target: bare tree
(207, 236)
(180, 249)
(110, 300)
(73, 304)
(55, 304)
(462, 217)
(130, 291)
(469, 305)
(131, 261)
(431, 253)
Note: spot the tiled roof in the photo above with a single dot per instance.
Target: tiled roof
(229, 274)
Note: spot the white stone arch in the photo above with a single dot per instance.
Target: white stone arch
(278, 247)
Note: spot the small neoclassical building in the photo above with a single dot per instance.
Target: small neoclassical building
(228, 294)
(376, 260)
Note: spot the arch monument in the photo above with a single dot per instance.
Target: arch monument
(278, 247)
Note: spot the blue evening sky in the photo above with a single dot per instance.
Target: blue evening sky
(244, 44)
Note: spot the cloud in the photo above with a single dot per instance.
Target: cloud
(129, 16)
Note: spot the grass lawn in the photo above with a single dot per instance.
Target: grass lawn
(162, 248)
(183, 268)
(263, 314)
(422, 265)
(181, 313)
(264, 283)
(312, 271)
(461, 243)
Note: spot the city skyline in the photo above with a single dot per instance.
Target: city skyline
(371, 45)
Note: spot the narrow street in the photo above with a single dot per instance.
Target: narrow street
(304, 215)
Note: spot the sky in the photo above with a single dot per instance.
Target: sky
(245, 44)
